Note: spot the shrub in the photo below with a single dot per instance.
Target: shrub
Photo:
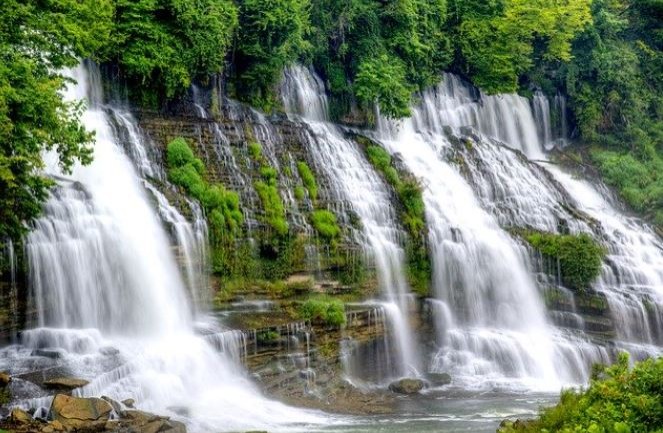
(325, 224)
(618, 400)
(323, 310)
(309, 180)
(579, 256)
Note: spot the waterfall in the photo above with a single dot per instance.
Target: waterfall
(357, 183)
(483, 279)
(494, 332)
(112, 305)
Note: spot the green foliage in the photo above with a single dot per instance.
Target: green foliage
(500, 40)
(382, 80)
(325, 224)
(323, 310)
(272, 34)
(618, 400)
(273, 206)
(38, 40)
(221, 207)
(580, 257)
(162, 45)
(309, 180)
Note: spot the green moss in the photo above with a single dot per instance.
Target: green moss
(273, 207)
(255, 151)
(325, 224)
(300, 193)
(323, 310)
(267, 336)
(309, 180)
(221, 206)
(580, 256)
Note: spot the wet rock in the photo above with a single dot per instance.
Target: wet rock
(406, 386)
(130, 402)
(439, 379)
(109, 351)
(117, 407)
(75, 412)
(65, 383)
(46, 353)
(20, 416)
(5, 378)
(180, 410)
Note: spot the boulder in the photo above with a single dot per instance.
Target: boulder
(407, 386)
(5, 378)
(65, 383)
(20, 416)
(439, 379)
(75, 412)
(130, 402)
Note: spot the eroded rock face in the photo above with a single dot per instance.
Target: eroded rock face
(407, 386)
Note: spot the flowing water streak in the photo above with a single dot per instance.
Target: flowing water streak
(108, 287)
(357, 183)
(493, 330)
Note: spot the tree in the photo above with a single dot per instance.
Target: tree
(38, 40)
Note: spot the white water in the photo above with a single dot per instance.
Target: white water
(489, 310)
(357, 183)
(112, 304)
(494, 332)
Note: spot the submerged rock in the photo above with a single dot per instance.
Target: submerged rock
(406, 386)
(65, 383)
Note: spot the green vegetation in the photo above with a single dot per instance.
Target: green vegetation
(33, 116)
(160, 46)
(271, 35)
(268, 191)
(618, 400)
(580, 257)
(221, 207)
(309, 180)
(325, 224)
(323, 310)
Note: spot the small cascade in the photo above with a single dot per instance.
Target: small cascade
(113, 307)
(356, 182)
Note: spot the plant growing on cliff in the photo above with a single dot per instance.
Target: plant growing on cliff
(619, 400)
(309, 180)
(221, 206)
(580, 256)
(323, 310)
(325, 224)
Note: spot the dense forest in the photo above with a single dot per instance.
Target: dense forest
(604, 54)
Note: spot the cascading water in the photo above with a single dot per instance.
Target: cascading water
(113, 308)
(491, 322)
(359, 185)
(517, 193)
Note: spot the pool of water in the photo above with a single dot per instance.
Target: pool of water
(445, 413)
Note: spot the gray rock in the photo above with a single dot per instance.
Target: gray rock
(439, 379)
(407, 386)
